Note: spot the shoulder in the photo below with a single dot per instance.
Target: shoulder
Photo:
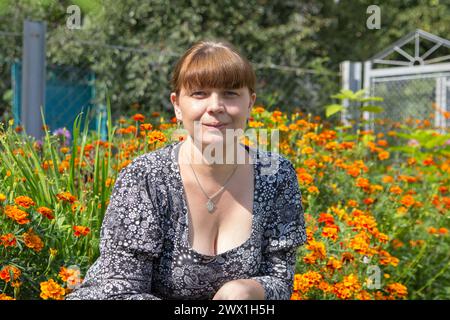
(275, 164)
(153, 162)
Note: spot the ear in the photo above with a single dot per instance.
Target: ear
(174, 101)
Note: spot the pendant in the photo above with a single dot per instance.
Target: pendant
(210, 206)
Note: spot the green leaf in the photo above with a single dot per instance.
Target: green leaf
(373, 109)
(332, 109)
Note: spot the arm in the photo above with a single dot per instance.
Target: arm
(285, 231)
(131, 237)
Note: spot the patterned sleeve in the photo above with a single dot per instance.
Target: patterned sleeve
(130, 238)
(284, 232)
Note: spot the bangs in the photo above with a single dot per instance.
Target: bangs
(215, 67)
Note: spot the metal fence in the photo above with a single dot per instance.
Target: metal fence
(413, 78)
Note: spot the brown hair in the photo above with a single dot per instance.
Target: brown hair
(213, 64)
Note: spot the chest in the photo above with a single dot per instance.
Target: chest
(229, 225)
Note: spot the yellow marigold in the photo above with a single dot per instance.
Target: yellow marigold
(52, 290)
(347, 287)
(304, 282)
(14, 213)
(317, 248)
(331, 232)
(2, 197)
(334, 264)
(32, 240)
(307, 150)
(24, 201)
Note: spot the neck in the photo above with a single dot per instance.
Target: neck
(213, 161)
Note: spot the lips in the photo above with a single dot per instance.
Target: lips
(215, 125)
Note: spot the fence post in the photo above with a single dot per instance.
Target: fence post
(441, 104)
(350, 80)
(366, 115)
(33, 77)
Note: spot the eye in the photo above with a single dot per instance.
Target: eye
(231, 93)
(198, 94)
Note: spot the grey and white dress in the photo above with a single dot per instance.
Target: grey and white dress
(144, 247)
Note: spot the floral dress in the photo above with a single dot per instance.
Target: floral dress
(144, 247)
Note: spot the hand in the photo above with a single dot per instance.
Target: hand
(240, 289)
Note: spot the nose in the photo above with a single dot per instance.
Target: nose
(215, 104)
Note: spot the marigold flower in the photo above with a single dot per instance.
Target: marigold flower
(8, 240)
(331, 232)
(66, 197)
(32, 240)
(317, 248)
(52, 290)
(80, 231)
(24, 201)
(46, 212)
(347, 287)
(334, 264)
(397, 289)
(139, 117)
(14, 213)
(383, 155)
(156, 136)
(146, 126)
(71, 276)
(407, 201)
(362, 183)
(2, 197)
(8, 271)
(5, 297)
(396, 190)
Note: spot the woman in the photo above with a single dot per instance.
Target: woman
(202, 218)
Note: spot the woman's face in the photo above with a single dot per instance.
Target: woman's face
(203, 107)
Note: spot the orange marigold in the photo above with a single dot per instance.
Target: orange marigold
(139, 117)
(5, 297)
(8, 240)
(46, 212)
(80, 231)
(398, 290)
(66, 196)
(24, 201)
(52, 290)
(407, 201)
(10, 271)
(14, 213)
(32, 240)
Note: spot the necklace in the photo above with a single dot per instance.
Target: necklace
(210, 204)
